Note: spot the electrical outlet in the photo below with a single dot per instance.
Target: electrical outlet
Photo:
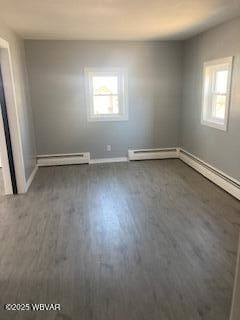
(109, 147)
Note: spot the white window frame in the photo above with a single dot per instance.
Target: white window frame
(122, 88)
(207, 93)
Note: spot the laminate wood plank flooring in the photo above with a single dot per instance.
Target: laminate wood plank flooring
(148, 240)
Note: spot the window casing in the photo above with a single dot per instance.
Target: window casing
(216, 93)
(106, 94)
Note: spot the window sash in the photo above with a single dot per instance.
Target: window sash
(108, 114)
(120, 90)
(214, 107)
(210, 93)
(214, 79)
(121, 94)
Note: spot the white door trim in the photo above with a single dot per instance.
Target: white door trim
(14, 125)
(235, 309)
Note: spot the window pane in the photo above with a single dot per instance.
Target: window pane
(105, 105)
(221, 81)
(219, 105)
(105, 85)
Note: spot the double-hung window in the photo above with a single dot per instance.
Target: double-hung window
(216, 93)
(106, 93)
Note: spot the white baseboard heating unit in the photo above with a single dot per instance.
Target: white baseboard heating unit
(151, 154)
(63, 159)
(218, 177)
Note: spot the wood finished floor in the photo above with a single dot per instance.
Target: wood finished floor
(150, 240)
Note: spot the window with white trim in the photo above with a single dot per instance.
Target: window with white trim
(106, 93)
(216, 93)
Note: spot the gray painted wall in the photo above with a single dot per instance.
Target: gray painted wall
(155, 79)
(58, 95)
(220, 149)
(23, 97)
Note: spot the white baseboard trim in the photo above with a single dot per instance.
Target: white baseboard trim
(152, 154)
(62, 159)
(108, 160)
(218, 177)
(30, 179)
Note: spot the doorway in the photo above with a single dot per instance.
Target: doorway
(12, 172)
(8, 141)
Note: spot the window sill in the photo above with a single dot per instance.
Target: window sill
(215, 125)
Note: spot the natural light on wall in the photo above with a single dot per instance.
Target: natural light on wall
(216, 93)
(106, 93)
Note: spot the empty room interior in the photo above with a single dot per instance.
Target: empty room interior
(119, 160)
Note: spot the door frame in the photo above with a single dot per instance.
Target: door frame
(235, 308)
(14, 124)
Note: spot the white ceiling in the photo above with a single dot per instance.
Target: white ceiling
(115, 19)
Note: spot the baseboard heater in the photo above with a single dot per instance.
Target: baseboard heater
(152, 154)
(224, 181)
(63, 159)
